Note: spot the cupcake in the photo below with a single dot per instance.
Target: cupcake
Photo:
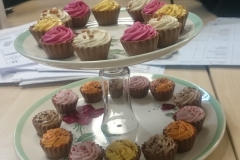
(65, 101)
(58, 13)
(122, 149)
(92, 45)
(162, 89)
(56, 143)
(150, 8)
(106, 12)
(134, 9)
(168, 28)
(42, 26)
(46, 120)
(86, 151)
(91, 91)
(188, 96)
(159, 147)
(182, 133)
(139, 39)
(79, 12)
(177, 11)
(138, 86)
(116, 88)
(191, 114)
(57, 42)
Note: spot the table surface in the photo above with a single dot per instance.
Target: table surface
(218, 81)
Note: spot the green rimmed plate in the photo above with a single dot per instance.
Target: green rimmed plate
(151, 118)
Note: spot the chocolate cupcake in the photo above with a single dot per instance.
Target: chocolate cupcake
(91, 91)
(138, 86)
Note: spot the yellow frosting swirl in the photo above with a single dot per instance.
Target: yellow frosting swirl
(91, 87)
(46, 23)
(121, 150)
(56, 137)
(172, 10)
(179, 130)
(106, 5)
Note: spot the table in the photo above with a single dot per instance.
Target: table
(15, 100)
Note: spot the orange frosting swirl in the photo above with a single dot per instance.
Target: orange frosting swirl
(91, 87)
(179, 130)
(56, 137)
(162, 84)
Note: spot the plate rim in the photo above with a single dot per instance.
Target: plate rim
(220, 114)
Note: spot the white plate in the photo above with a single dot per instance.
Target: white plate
(151, 118)
(27, 46)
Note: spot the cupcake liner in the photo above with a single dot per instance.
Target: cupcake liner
(116, 92)
(58, 51)
(68, 23)
(65, 108)
(139, 93)
(106, 17)
(169, 36)
(136, 15)
(58, 152)
(43, 129)
(37, 35)
(93, 53)
(163, 95)
(185, 144)
(92, 97)
(198, 125)
(140, 47)
(167, 156)
(146, 17)
(183, 20)
(78, 22)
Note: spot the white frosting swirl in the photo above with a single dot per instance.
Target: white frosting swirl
(46, 118)
(190, 114)
(91, 38)
(56, 13)
(65, 97)
(134, 5)
(164, 22)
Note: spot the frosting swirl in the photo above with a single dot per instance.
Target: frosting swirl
(172, 10)
(106, 5)
(138, 82)
(138, 32)
(161, 84)
(190, 114)
(46, 118)
(91, 38)
(159, 144)
(58, 34)
(56, 137)
(46, 23)
(134, 5)
(179, 130)
(85, 151)
(164, 22)
(77, 9)
(56, 13)
(121, 150)
(65, 96)
(91, 87)
(152, 6)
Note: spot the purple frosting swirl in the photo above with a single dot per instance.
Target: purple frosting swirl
(152, 6)
(138, 32)
(77, 9)
(58, 34)
(190, 114)
(138, 82)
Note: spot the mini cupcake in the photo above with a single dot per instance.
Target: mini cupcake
(159, 147)
(162, 89)
(58, 13)
(177, 11)
(182, 133)
(168, 28)
(191, 114)
(106, 12)
(138, 86)
(86, 151)
(65, 101)
(91, 91)
(79, 12)
(42, 26)
(188, 96)
(139, 39)
(134, 9)
(56, 143)
(122, 149)
(116, 88)
(57, 42)
(150, 8)
(92, 45)
(46, 120)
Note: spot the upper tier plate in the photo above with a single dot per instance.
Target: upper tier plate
(27, 46)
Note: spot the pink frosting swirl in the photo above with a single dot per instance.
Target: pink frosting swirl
(190, 114)
(138, 82)
(58, 34)
(152, 6)
(77, 8)
(138, 32)
(85, 151)
(65, 97)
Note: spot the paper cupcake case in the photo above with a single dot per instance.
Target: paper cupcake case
(78, 22)
(68, 23)
(43, 129)
(139, 93)
(185, 144)
(183, 20)
(92, 97)
(146, 17)
(198, 125)
(37, 35)
(66, 108)
(136, 15)
(163, 95)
